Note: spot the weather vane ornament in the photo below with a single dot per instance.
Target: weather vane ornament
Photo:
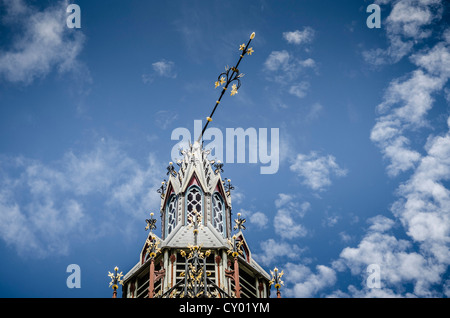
(230, 76)
(116, 279)
(239, 223)
(228, 186)
(218, 166)
(276, 280)
(151, 223)
(162, 190)
(235, 247)
(153, 243)
(171, 170)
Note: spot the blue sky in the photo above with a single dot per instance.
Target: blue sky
(86, 117)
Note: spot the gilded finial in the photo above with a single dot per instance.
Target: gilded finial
(230, 76)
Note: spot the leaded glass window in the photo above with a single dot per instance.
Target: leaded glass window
(218, 213)
(171, 214)
(193, 202)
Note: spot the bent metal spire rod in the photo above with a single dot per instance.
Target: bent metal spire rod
(229, 76)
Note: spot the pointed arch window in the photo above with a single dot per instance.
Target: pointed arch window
(218, 213)
(171, 213)
(194, 202)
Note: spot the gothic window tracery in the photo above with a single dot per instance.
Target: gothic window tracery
(193, 202)
(171, 214)
(218, 213)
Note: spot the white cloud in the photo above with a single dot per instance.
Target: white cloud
(405, 106)
(367, 293)
(316, 170)
(299, 37)
(330, 220)
(345, 237)
(283, 199)
(43, 206)
(238, 196)
(44, 45)
(435, 60)
(284, 68)
(309, 62)
(410, 17)
(380, 223)
(305, 282)
(414, 93)
(447, 288)
(162, 68)
(288, 212)
(259, 219)
(398, 264)
(420, 259)
(277, 60)
(272, 251)
(165, 68)
(147, 78)
(299, 89)
(14, 11)
(423, 208)
(288, 201)
(407, 24)
(401, 158)
(13, 224)
(286, 226)
(314, 112)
